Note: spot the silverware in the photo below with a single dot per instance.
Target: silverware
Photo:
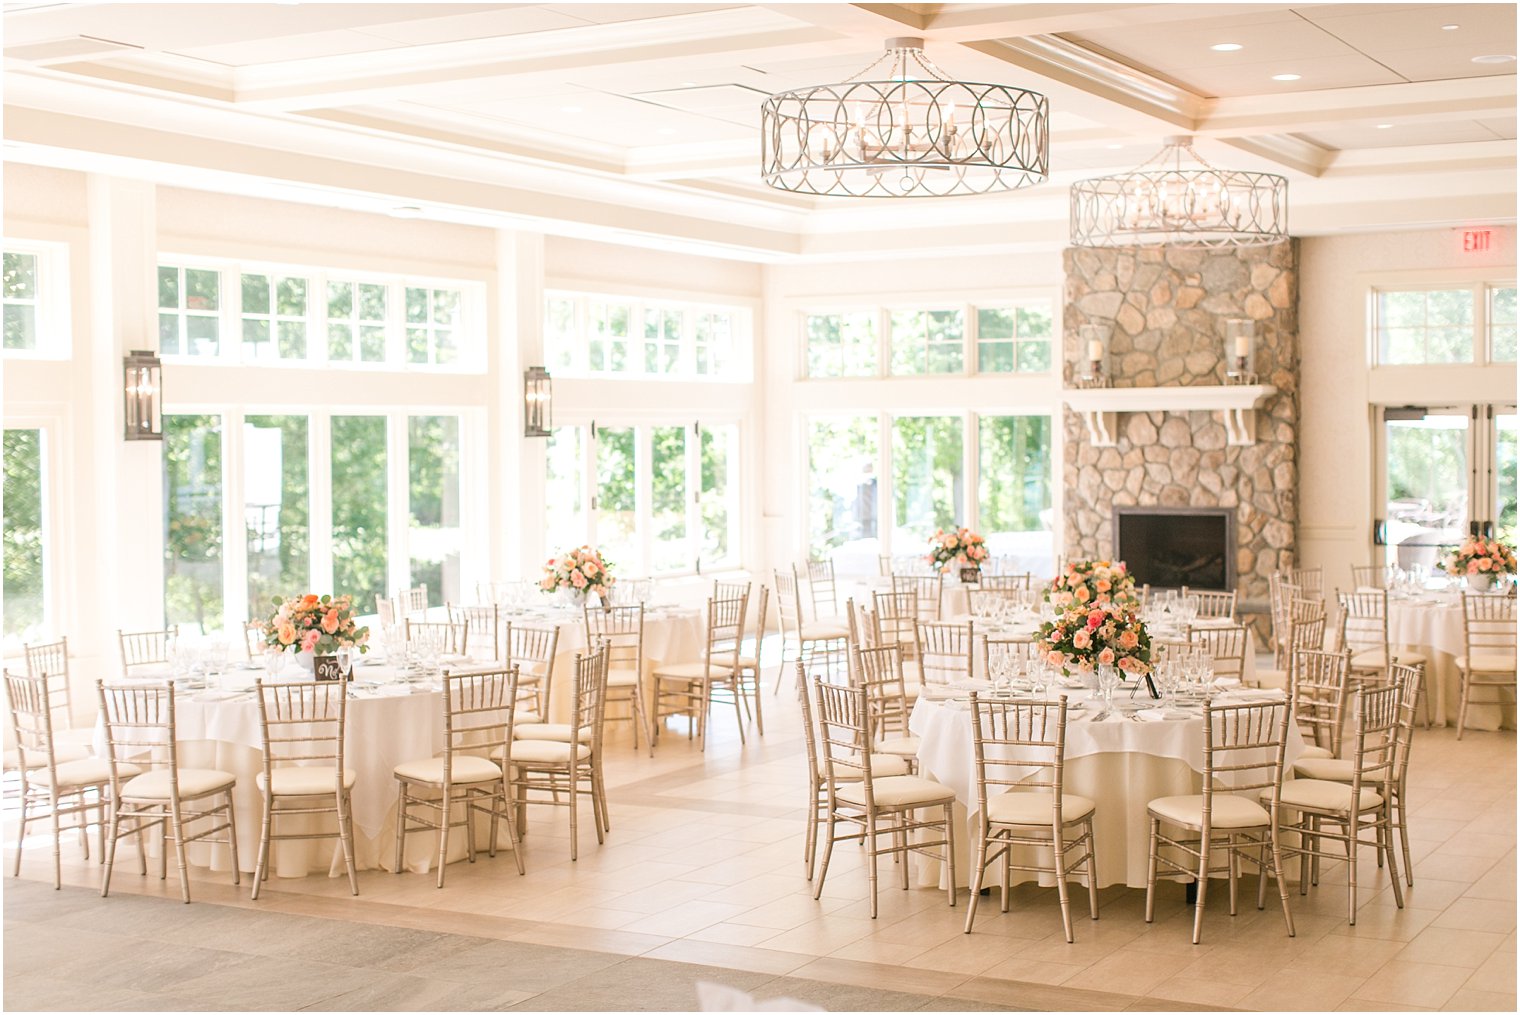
(1099, 717)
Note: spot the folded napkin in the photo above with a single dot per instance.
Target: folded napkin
(1224, 683)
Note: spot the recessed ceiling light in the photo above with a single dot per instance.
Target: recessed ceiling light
(1226, 47)
(666, 130)
(405, 211)
(1286, 77)
(1115, 147)
(688, 84)
(1450, 28)
(1384, 126)
(569, 109)
(1495, 58)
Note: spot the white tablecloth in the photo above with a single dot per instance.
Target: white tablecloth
(1432, 625)
(1120, 764)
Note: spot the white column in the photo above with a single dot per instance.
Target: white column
(128, 571)
(520, 313)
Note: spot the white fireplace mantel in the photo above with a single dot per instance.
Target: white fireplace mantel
(1237, 404)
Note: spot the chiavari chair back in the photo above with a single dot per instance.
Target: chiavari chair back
(1311, 580)
(823, 591)
(412, 602)
(687, 689)
(1212, 604)
(145, 648)
(1225, 645)
(531, 650)
(385, 611)
(1372, 576)
(945, 651)
(1320, 681)
(928, 593)
(50, 661)
(1488, 662)
(1000, 582)
(446, 637)
(483, 625)
(620, 631)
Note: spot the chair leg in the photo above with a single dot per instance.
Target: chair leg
(237, 871)
(1462, 709)
(1234, 860)
(598, 814)
(870, 844)
(21, 833)
(1063, 890)
(179, 848)
(400, 827)
(1150, 873)
(828, 853)
(1092, 872)
(346, 834)
(759, 711)
(445, 813)
(810, 837)
(110, 851)
(1403, 830)
(980, 873)
(574, 811)
(1203, 885)
(1393, 861)
(261, 864)
(57, 846)
(1282, 882)
(949, 852)
(1351, 858)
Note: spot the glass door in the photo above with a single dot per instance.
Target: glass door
(1426, 484)
(1501, 474)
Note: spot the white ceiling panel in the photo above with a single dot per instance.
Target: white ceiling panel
(252, 52)
(514, 20)
(1350, 70)
(1378, 31)
(1400, 135)
(608, 14)
(1504, 129)
(1440, 64)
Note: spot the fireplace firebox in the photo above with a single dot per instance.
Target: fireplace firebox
(1172, 547)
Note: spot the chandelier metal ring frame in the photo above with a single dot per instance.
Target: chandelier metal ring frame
(1199, 208)
(916, 134)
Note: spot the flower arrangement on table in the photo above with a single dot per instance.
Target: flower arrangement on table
(1109, 633)
(317, 624)
(957, 548)
(1092, 581)
(581, 570)
(1483, 559)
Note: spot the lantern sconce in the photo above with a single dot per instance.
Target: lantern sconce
(1091, 369)
(538, 402)
(1239, 351)
(142, 390)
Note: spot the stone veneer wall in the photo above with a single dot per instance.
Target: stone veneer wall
(1167, 306)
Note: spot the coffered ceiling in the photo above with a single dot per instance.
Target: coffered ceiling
(643, 118)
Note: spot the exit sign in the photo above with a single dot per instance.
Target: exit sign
(1476, 240)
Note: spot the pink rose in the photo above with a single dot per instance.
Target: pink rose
(590, 568)
(1054, 658)
(1094, 619)
(577, 579)
(1472, 567)
(309, 643)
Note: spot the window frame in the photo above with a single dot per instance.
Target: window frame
(1479, 287)
(54, 329)
(51, 431)
(575, 361)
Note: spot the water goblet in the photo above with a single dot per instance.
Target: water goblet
(345, 660)
(272, 660)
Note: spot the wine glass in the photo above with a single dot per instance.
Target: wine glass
(345, 659)
(272, 659)
(1108, 680)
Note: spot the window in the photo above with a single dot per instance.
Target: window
(21, 297)
(276, 508)
(189, 311)
(928, 341)
(1501, 324)
(360, 508)
(435, 538)
(25, 534)
(356, 322)
(432, 315)
(676, 340)
(1014, 502)
(275, 319)
(927, 473)
(842, 485)
(35, 299)
(1014, 339)
(193, 522)
(666, 495)
(842, 345)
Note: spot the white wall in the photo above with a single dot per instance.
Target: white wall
(1337, 385)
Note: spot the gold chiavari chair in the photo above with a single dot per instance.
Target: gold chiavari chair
(531, 650)
(991, 582)
(1488, 635)
(1353, 808)
(946, 651)
(478, 712)
(980, 600)
(1225, 645)
(689, 688)
(884, 565)
(1364, 634)
(1212, 605)
(1310, 579)
(879, 670)
(894, 615)
(412, 602)
(557, 772)
(453, 639)
(483, 626)
(304, 731)
(50, 660)
(621, 630)
(1305, 630)
(823, 590)
(749, 662)
(1318, 691)
(1017, 807)
(928, 592)
(871, 804)
(1373, 576)
(253, 640)
(145, 648)
(52, 789)
(1243, 750)
(385, 611)
(812, 642)
(1281, 594)
(149, 788)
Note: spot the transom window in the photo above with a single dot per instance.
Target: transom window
(34, 294)
(986, 338)
(26, 534)
(1469, 323)
(588, 333)
(247, 313)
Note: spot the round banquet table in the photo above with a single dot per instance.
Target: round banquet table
(1120, 764)
(1431, 623)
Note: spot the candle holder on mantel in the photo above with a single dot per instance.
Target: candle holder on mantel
(1239, 351)
(1091, 369)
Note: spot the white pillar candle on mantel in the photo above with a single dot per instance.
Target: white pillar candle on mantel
(1095, 350)
(1242, 346)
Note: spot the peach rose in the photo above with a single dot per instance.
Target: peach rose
(1054, 658)
(1082, 595)
(310, 600)
(1128, 639)
(1484, 564)
(577, 579)
(1103, 585)
(287, 634)
(330, 622)
(1106, 657)
(1081, 639)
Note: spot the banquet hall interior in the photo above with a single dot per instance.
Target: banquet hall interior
(620, 506)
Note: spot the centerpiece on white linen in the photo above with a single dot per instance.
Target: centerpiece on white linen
(578, 572)
(1110, 633)
(958, 547)
(1092, 581)
(315, 627)
(1480, 561)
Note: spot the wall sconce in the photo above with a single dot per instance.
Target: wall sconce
(142, 388)
(538, 402)
(1239, 350)
(1091, 369)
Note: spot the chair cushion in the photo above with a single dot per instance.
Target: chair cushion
(882, 765)
(306, 780)
(525, 719)
(822, 630)
(1322, 795)
(906, 747)
(1272, 678)
(1373, 659)
(557, 731)
(748, 662)
(1035, 808)
(468, 768)
(83, 772)
(898, 791)
(545, 752)
(622, 676)
(1229, 811)
(193, 782)
(61, 753)
(1329, 769)
(1488, 662)
(1315, 751)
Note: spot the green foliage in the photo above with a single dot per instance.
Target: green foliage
(359, 461)
(841, 482)
(193, 521)
(1013, 463)
(433, 499)
(20, 283)
(23, 529)
(279, 548)
(927, 457)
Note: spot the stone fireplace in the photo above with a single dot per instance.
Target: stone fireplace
(1168, 307)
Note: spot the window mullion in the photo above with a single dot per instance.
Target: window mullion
(398, 509)
(694, 538)
(320, 508)
(971, 446)
(234, 524)
(643, 496)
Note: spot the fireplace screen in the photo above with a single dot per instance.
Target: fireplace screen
(1172, 547)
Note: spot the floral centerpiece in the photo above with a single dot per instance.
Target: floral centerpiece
(319, 625)
(1092, 581)
(1109, 633)
(581, 571)
(1480, 560)
(956, 548)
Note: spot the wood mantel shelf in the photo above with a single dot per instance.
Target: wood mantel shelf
(1237, 403)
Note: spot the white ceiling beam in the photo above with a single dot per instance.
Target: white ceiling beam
(1286, 151)
(1407, 102)
(972, 23)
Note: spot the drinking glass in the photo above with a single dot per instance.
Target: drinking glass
(1040, 676)
(345, 659)
(1108, 679)
(272, 660)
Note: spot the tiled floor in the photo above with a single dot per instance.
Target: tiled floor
(702, 877)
